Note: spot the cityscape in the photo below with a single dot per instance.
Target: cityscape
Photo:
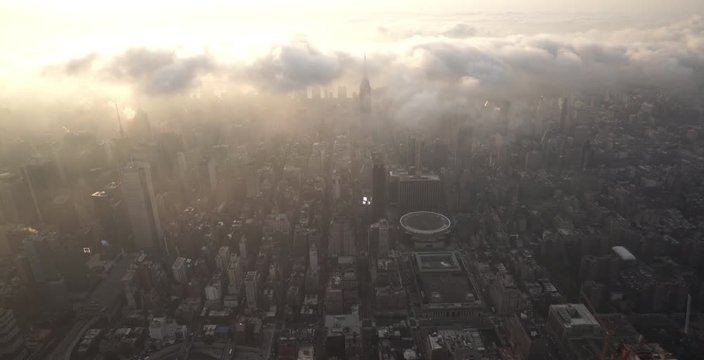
(425, 182)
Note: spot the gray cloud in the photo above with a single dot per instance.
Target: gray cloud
(295, 66)
(80, 65)
(451, 60)
(158, 71)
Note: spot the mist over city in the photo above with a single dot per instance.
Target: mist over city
(311, 180)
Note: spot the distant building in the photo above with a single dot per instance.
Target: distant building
(445, 291)
(138, 194)
(365, 92)
(313, 259)
(251, 285)
(379, 238)
(379, 200)
(39, 255)
(341, 241)
(571, 321)
(12, 346)
(179, 270)
(222, 259)
(161, 328)
(416, 192)
(235, 270)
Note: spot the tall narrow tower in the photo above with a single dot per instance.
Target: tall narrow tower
(378, 187)
(365, 92)
(138, 194)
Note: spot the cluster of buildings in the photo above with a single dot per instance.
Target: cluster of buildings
(538, 229)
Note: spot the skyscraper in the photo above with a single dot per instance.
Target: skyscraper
(138, 194)
(418, 192)
(38, 255)
(378, 187)
(365, 92)
(251, 287)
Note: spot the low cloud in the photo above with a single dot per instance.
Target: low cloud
(158, 71)
(422, 65)
(295, 66)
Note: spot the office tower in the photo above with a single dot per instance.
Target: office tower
(378, 187)
(110, 215)
(243, 247)
(378, 237)
(39, 255)
(252, 180)
(313, 259)
(251, 285)
(179, 270)
(365, 92)
(12, 345)
(419, 192)
(138, 194)
(341, 238)
(222, 259)
(235, 268)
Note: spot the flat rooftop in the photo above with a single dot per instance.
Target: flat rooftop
(444, 288)
(442, 261)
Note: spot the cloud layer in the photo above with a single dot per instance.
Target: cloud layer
(420, 63)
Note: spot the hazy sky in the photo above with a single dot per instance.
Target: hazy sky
(164, 47)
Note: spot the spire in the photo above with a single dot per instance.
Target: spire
(365, 90)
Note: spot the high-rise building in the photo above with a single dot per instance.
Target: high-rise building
(38, 254)
(179, 270)
(378, 238)
(12, 345)
(234, 274)
(378, 187)
(365, 92)
(418, 192)
(110, 215)
(313, 259)
(251, 284)
(243, 247)
(341, 238)
(138, 194)
(222, 259)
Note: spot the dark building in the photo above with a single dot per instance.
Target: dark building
(378, 188)
(417, 192)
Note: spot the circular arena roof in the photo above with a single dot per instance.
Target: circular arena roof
(425, 223)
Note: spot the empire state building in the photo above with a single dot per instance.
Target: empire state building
(365, 92)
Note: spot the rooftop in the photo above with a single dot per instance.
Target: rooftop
(442, 261)
(425, 222)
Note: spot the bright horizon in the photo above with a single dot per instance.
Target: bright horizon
(39, 40)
